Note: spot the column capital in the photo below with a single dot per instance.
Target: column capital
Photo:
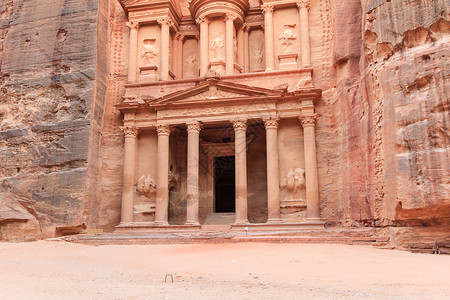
(271, 123)
(164, 21)
(308, 120)
(132, 25)
(202, 19)
(163, 129)
(194, 127)
(230, 17)
(130, 131)
(267, 8)
(246, 27)
(304, 4)
(240, 125)
(179, 36)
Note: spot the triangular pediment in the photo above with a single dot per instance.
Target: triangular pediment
(210, 91)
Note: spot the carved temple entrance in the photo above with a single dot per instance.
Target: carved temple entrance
(216, 142)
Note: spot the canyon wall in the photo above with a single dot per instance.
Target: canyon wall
(53, 65)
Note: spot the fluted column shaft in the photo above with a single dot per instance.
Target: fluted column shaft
(312, 184)
(192, 193)
(129, 166)
(240, 127)
(132, 61)
(229, 44)
(162, 176)
(268, 34)
(304, 6)
(165, 41)
(273, 177)
(204, 45)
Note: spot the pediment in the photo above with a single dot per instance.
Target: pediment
(213, 91)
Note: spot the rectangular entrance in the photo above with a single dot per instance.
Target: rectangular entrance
(224, 182)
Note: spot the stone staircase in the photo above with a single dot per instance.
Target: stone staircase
(218, 222)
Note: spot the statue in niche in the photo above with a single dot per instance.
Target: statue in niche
(295, 180)
(217, 48)
(258, 56)
(235, 48)
(288, 37)
(146, 186)
(190, 65)
(149, 52)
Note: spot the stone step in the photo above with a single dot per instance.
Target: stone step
(216, 228)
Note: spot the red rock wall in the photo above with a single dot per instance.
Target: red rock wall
(391, 113)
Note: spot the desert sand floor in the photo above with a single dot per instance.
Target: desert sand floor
(61, 270)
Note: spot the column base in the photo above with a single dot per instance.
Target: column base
(193, 223)
(274, 220)
(314, 220)
(241, 222)
(161, 223)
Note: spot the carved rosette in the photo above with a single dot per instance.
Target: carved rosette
(194, 127)
(308, 120)
(163, 129)
(271, 123)
(130, 131)
(267, 8)
(304, 4)
(240, 125)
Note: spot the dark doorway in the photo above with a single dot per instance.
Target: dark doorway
(224, 181)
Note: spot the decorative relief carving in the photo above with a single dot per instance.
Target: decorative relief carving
(257, 54)
(149, 53)
(130, 131)
(133, 25)
(240, 125)
(190, 66)
(271, 123)
(308, 120)
(165, 21)
(288, 37)
(163, 129)
(146, 186)
(304, 4)
(267, 8)
(217, 49)
(305, 82)
(194, 127)
(148, 12)
(202, 19)
(230, 17)
(295, 180)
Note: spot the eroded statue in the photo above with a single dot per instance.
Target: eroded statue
(288, 37)
(295, 180)
(217, 49)
(149, 53)
(190, 65)
(146, 186)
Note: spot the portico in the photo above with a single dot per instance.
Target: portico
(192, 130)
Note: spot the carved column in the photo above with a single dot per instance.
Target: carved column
(304, 6)
(179, 67)
(246, 49)
(165, 41)
(240, 39)
(312, 184)
(193, 130)
(229, 44)
(162, 176)
(273, 177)
(204, 44)
(240, 128)
(129, 166)
(132, 61)
(268, 34)
(175, 61)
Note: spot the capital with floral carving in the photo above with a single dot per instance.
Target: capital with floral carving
(179, 36)
(271, 123)
(164, 21)
(240, 125)
(304, 4)
(230, 17)
(246, 27)
(163, 129)
(202, 19)
(194, 127)
(308, 120)
(130, 131)
(267, 8)
(133, 25)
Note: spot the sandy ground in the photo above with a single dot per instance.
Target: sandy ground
(60, 270)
